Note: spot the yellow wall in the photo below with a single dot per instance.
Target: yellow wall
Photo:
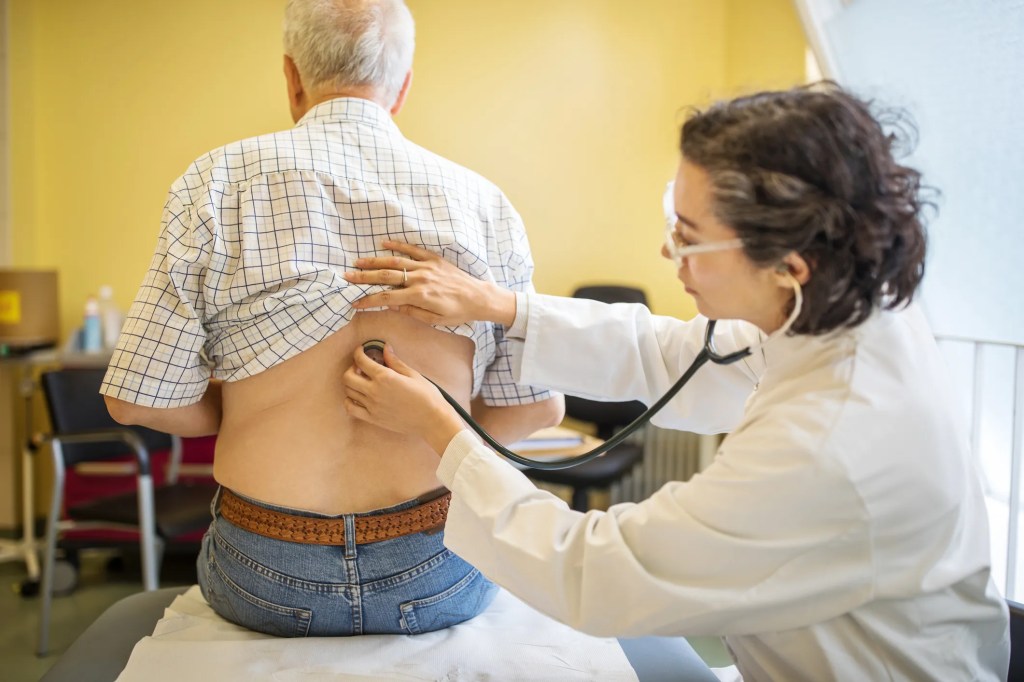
(571, 106)
(766, 46)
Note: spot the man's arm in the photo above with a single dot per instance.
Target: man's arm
(158, 376)
(198, 419)
(515, 422)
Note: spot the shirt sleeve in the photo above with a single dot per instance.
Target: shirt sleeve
(732, 551)
(158, 360)
(518, 329)
(499, 387)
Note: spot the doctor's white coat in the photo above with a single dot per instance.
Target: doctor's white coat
(840, 533)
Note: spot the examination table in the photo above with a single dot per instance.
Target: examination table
(103, 650)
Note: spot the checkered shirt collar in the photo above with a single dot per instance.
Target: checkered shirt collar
(349, 109)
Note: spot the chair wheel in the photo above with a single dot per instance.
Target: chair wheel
(65, 578)
(28, 588)
(73, 557)
(116, 564)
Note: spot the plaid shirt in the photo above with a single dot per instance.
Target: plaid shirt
(256, 235)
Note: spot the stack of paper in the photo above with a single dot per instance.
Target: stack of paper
(555, 442)
(553, 438)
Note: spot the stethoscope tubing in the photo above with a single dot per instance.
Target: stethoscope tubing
(706, 353)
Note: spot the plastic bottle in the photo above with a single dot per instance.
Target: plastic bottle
(92, 327)
(110, 317)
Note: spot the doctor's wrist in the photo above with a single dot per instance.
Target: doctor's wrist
(442, 430)
(499, 305)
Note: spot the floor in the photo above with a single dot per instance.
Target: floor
(102, 579)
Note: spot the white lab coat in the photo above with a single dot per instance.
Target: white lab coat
(840, 532)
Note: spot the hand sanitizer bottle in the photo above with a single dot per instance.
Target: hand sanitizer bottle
(92, 328)
(111, 318)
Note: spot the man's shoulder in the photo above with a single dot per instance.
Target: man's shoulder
(297, 149)
(237, 161)
(451, 169)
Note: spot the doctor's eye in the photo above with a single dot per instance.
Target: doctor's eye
(672, 233)
(679, 239)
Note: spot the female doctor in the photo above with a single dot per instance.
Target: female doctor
(841, 532)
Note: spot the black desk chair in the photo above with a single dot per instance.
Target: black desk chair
(608, 417)
(83, 431)
(1016, 640)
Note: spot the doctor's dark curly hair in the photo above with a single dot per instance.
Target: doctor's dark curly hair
(811, 170)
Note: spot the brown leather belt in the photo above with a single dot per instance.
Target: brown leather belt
(427, 516)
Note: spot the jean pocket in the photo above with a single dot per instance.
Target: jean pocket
(460, 602)
(239, 605)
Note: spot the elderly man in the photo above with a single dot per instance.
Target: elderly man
(244, 326)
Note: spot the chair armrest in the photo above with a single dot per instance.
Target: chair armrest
(126, 436)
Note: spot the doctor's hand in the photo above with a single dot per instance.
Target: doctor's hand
(398, 398)
(430, 289)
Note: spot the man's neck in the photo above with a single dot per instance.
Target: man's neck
(365, 92)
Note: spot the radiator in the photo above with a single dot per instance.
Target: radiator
(668, 456)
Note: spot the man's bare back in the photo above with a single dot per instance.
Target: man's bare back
(285, 438)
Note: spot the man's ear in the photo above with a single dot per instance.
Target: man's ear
(296, 91)
(400, 100)
(795, 265)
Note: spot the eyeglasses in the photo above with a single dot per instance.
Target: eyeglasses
(674, 244)
(678, 249)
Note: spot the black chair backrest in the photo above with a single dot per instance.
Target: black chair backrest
(611, 293)
(75, 404)
(1016, 640)
(607, 416)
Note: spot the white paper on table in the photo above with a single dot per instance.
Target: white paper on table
(509, 641)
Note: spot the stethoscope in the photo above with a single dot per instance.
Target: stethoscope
(375, 349)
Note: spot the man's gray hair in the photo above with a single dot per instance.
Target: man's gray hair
(343, 43)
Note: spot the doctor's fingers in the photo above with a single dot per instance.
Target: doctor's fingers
(363, 392)
(365, 365)
(410, 250)
(392, 277)
(366, 374)
(356, 384)
(450, 298)
(387, 299)
(358, 410)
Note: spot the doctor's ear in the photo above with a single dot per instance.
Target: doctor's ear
(795, 265)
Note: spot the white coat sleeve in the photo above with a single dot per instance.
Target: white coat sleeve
(621, 351)
(734, 550)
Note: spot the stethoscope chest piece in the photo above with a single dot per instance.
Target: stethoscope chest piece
(374, 349)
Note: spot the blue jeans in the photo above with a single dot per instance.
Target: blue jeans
(406, 585)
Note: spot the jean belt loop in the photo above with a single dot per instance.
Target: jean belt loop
(350, 536)
(215, 502)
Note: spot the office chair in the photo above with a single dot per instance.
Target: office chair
(1016, 640)
(608, 417)
(83, 431)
